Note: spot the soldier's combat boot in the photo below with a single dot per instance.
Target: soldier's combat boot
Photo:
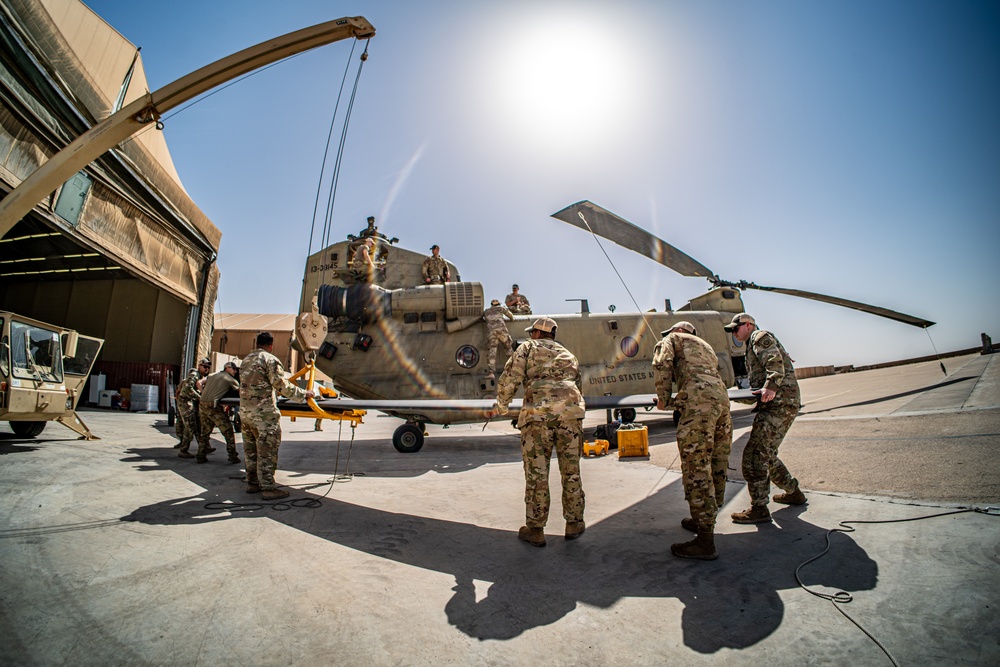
(210, 449)
(233, 458)
(689, 524)
(177, 446)
(574, 529)
(756, 514)
(796, 497)
(253, 487)
(201, 459)
(185, 454)
(701, 547)
(533, 536)
(275, 494)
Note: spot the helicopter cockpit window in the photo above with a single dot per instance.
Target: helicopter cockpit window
(728, 294)
(428, 317)
(467, 356)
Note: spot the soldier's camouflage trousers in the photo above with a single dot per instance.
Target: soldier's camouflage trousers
(704, 439)
(761, 464)
(538, 439)
(261, 439)
(210, 418)
(187, 416)
(493, 340)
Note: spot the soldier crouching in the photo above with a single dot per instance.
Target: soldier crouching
(211, 415)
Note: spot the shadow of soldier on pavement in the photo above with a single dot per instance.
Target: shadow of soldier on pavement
(504, 587)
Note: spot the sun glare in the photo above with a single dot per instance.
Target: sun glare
(563, 81)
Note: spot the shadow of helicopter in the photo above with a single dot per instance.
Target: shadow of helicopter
(733, 602)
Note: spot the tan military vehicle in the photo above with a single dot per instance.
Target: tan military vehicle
(42, 372)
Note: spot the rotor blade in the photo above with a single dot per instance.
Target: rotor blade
(847, 303)
(592, 218)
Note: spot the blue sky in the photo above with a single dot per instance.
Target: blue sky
(850, 148)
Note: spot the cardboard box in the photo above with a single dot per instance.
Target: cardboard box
(633, 440)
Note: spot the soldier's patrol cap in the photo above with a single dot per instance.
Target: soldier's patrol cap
(681, 326)
(546, 324)
(205, 362)
(514, 287)
(495, 302)
(435, 247)
(742, 318)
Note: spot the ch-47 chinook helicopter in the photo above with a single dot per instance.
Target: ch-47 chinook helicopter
(417, 351)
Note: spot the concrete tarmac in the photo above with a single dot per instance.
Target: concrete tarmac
(117, 552)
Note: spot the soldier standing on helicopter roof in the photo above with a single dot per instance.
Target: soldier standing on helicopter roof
(771, 373)
(518, 303)
(435, 269)
(363, 261)
(496, 334)
(704, 433)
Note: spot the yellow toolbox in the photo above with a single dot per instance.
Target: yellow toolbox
(633, 440)
(595, 448)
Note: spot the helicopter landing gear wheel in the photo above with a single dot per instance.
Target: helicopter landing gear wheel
(627, 415)
(408, 438)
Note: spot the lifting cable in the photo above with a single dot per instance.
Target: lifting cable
(936, 353)
(324, 238)
(843, 597)
(601, 246)
(201, 98)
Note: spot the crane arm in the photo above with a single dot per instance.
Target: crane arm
(121, 125)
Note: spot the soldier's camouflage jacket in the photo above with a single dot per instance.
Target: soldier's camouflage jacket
(435, 269)
(261, 375)
(690, 362)
(493, 316)
(188, 388)
(518, 303)
(551, 377)
(770, 366)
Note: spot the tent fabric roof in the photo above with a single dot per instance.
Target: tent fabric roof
(254, 322)
(105, 56)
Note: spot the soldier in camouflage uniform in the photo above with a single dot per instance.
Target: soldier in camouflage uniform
(211, 414)
(518, 303)
(187, 407)
(704, 433)
(435, 269)
(551, 418)
(777, 390)
(496, 334)
(261, 374)
(363, 262)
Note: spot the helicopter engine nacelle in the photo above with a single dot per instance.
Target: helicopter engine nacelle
(363, 302)
(369, 303)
